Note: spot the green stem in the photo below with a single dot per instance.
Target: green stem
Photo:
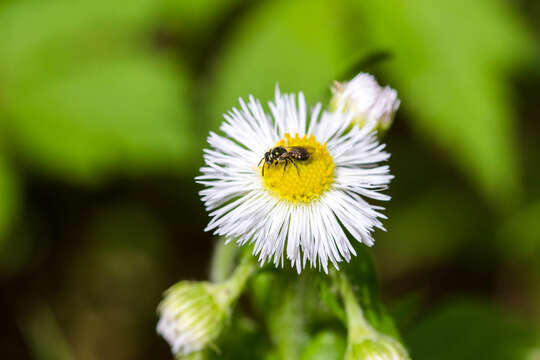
(358, 326)
(364, 341)
(234, 286)
(223, 260)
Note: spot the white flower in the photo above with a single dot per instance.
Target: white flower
(305, 212)
(191, 316)
(369, 102)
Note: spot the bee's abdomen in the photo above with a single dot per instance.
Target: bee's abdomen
(299, 153)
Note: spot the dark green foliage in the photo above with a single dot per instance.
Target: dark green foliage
(471, 330)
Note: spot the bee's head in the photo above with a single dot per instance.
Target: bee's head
(277, 151)
(268, 158)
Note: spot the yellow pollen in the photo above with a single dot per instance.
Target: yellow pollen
(314, 175)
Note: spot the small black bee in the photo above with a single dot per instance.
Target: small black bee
(281, 154)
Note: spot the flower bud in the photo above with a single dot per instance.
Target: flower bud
(369, 103)
(378, 348)
(191, 316)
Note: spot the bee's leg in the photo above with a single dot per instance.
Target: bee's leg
(259, 164)
(264, 163)
(297, 171)
(285, 167)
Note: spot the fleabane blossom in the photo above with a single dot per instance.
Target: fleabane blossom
(370, 104)
(304, 208)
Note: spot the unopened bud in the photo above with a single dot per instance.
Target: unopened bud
(191, 317)
(369, 103)
(193, 314)
(377, 348)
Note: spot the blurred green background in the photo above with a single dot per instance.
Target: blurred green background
(104, 110)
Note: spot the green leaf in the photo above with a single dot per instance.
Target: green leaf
(471, 330)
(85, 98)
(124, 113)
(449, 64)
(298, 44)
(327, 345)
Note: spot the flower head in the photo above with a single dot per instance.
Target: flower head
(367, 100)
(294, 186)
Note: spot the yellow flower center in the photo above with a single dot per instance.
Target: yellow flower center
(313, 177)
